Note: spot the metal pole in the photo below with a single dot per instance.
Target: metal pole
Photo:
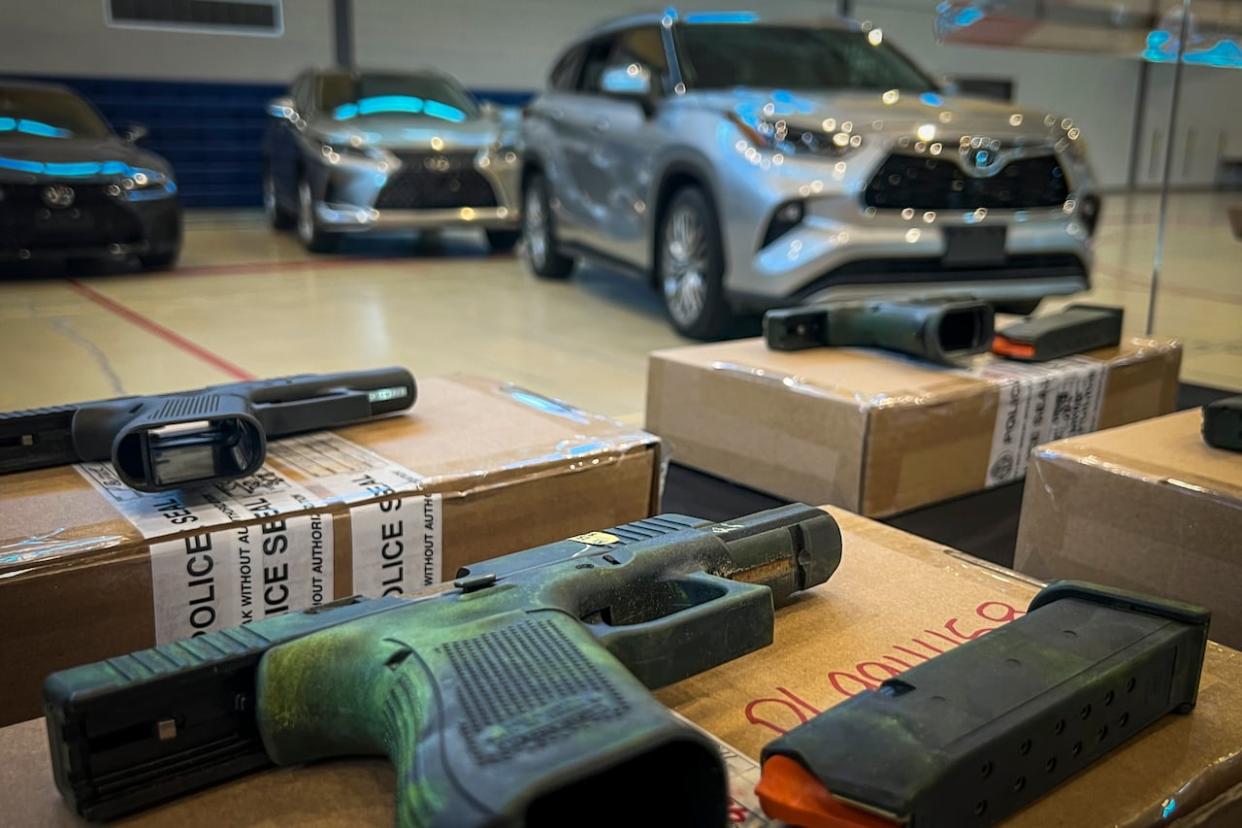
(1158, 259)
(1136, 136)
(343, 23)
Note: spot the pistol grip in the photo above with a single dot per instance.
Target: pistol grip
(506, 719)
(713, 620)
(358, 690)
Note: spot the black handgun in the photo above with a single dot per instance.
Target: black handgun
(215, 433)
(972, 735)
(1075, 329)
(937, 330)
(1222, 423)
(520, 697)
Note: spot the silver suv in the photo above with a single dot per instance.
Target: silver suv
(742, 163)
(350, 152)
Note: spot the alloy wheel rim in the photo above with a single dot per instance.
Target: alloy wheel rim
(306, 217)
(684, 265)
(536, 227)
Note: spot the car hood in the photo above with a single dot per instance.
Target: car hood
(39, 158)
(892, 113)
(409, 132)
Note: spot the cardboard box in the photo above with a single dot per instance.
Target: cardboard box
(879, 434)
(895, 600)
(1149, 507)
(478, 468)
(898, 599)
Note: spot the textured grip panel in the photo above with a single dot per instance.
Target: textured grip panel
(525, 686)
(190, 405)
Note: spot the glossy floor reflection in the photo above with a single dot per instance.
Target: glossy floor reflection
(248, 301)
(1200, 286)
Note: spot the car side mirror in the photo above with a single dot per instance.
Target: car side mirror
(282, 107)
(629, 80)
(133, 133)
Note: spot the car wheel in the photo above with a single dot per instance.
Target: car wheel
(542, 252)
(278, 217)
(502, 241)
(690, 266)
(312, 237)
(163, 260)
(1023, 308)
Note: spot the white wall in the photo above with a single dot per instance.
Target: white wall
(70, 37)
(504, 44)
(1208, 127)
(1098, 92)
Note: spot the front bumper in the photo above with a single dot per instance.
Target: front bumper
(1045, 253)
(95, 226)
(420, 189)
(348, 218)
(843, 248)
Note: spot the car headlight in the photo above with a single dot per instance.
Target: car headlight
(832, 140)
(1069, 138)
(139, 184)
(1076, 144)
(335, 153)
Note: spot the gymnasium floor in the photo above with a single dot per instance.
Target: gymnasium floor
(248, 302)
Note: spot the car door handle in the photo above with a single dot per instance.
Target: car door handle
(601, 126)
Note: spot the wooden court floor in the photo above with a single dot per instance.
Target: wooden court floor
(248, 302)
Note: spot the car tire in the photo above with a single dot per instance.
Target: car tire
(278, 217)
(690, 266)
(1023, 308)
(502, 241)
(543, 255)
(163, 260)
(313, 238)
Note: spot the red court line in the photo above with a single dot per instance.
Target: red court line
(287, 264)
(326, 263)
(151, 326)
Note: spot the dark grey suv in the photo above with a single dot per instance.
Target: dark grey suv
(71, 188)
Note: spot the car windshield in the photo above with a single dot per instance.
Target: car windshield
(27, 112)
(721, 56)
(345, 97)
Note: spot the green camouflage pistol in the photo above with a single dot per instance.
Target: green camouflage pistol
(937, 330)
(519, 697)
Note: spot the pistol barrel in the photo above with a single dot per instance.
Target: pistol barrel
(806, 557)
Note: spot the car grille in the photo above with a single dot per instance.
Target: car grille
(94, 219)
(927, 183)
(433, 180)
